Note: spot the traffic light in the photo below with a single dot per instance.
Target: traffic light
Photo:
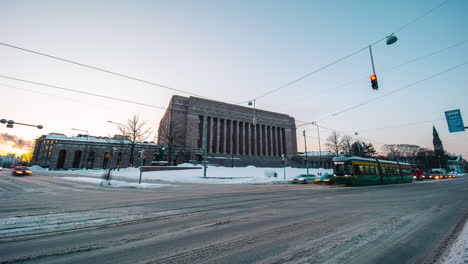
(373, 80)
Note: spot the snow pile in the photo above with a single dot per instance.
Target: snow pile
(214, 175)
(458, 253)
(37, 168)
(113, 183)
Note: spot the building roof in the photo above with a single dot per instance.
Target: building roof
(317, 154)
(91, 139)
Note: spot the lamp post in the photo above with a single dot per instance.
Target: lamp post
(86, 145)
(254, 118)
(305, 147)
(320, 148)
(122, 129)
(10, 124)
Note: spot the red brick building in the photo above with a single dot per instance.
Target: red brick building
(229, 133)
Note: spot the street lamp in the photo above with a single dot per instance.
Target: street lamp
(391, 39)
(305, 147)
(86, 145)
(320, 148)
(10, 124)
(115, 123)
(254, 119)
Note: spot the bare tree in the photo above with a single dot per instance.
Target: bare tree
(170, 135)
(136, 131)
(392, 151)
(405, 152)
(346, 143)
(333, 143)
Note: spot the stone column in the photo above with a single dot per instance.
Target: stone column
(280, 141)
(223, 137)
(274, 141)
(270, 140)
(218, 126)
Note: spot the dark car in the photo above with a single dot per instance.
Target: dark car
(303, 178)
(326, 179)
(21, 171)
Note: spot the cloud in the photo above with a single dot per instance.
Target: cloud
(18, 143)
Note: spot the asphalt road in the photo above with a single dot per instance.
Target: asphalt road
(49, 220)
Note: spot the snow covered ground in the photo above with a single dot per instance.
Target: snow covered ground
(114, 183)
(458, 253)
(215, 175)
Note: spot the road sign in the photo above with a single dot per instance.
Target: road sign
(454, 121)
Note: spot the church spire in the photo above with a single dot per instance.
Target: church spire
(436, 141)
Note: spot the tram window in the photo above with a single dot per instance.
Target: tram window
(373, 171)
(384, 171)
(366, 170)
(357, 170)
(340, 168)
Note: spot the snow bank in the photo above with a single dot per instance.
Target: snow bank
(214, 175)
(458, 253)
(113, 183)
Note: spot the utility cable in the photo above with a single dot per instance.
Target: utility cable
(389, 93)
(82, 92)
(347, 56)
(101, 69)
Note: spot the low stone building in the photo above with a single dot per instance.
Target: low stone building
(230, 134)
(316, 159)
(57, 151)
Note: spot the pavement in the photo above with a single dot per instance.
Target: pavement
(44, 219)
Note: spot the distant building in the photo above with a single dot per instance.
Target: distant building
(57, 151)
(456, 163)
(9, 160)
(231, 134)
(317, 159)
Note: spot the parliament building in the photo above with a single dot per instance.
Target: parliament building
(230, 134)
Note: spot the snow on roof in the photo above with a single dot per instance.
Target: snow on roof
(346, 158)
(317, 153)
(91, 139)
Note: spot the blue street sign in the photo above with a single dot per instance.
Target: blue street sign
(454, 121)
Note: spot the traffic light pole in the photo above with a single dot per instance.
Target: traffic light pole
(305, 147)
(372, 59)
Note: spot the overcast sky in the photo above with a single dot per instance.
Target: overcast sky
(234, 51)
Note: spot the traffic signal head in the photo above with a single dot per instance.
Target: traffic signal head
(375, 84)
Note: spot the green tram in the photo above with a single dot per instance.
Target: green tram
(367, 171)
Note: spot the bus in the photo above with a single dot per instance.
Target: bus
(369, 171)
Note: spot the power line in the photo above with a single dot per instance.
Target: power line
(53, 95)
(347, 56)
(82, 92)
(398, 66)
(421, 16)
(101, 69)
(395, 91)
(404, 125)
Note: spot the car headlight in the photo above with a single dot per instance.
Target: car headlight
(301, 179)
(316, 179)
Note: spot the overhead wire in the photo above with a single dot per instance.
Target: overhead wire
(82, 92)
(101, 69)
(349, 55)
(389, 93)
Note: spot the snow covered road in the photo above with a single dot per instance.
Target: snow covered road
(45, 219)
